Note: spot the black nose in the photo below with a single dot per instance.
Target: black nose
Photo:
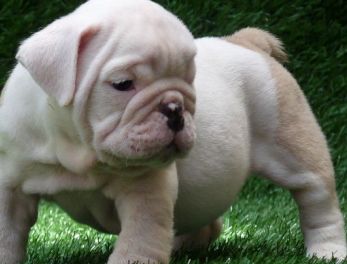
(174, 113)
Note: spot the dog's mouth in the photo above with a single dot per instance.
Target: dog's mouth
(160, 159)
(151, 144)
(166, 154)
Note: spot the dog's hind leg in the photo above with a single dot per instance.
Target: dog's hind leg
(296, 157)
(199, 239)
(289, 148)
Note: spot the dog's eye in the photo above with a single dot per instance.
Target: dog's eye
(123, 86)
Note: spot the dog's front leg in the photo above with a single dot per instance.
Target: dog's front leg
(145, 206)
(18, 213)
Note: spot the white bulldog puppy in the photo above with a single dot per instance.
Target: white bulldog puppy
(100, 106)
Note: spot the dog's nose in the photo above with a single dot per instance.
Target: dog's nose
(174, 112)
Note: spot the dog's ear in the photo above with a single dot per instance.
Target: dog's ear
(51, 56)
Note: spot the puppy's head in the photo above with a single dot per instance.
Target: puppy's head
(126, 69)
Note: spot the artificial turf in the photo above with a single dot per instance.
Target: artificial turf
(262, 226)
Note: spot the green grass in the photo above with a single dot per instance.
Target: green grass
(262, 227)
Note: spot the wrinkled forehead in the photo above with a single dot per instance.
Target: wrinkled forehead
(154, 38)
(138, 31)
(136, 17)
(154, 30)
(142, 26)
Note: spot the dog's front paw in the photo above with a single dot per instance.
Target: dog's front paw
(327, 251)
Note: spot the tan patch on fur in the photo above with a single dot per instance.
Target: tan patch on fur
(260, 41)
(298, 131)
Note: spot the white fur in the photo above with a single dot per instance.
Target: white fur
(67, 153)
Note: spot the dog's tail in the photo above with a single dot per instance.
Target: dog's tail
(259, 40)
